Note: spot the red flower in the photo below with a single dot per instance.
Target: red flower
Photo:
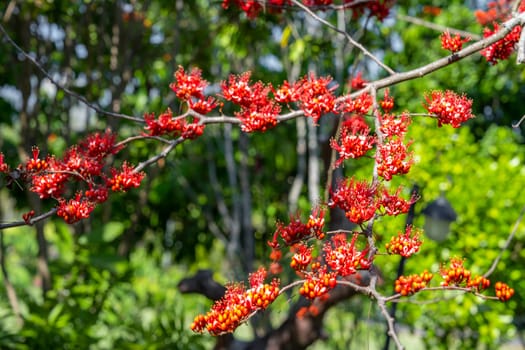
(394, 205)
(360, 105)
(301, 258)
(357, 82)
(50, 184)
(237, 305)
(286, 93)
(502, 49)
(343, 257)
(315, 223)
(292, 233)
(259, 118)
(316, 96)
(75, 209)
(408, 285)
(503, 291)
(355, 141)
(124, 179)
(449, 107)
(318, 283)
(190, 85)
(393, 159)
(452, 44)
(36, 164)
(203, 106)
(456, 274)
(392, 125)
(357, 199)
(4, 167)
(387, 103)
(99, 145)
(405, 243)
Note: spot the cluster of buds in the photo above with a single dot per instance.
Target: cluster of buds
(503, 291)
(318, 283)
(408, 285)
(405, 243)
(237, 305)
(457, 275)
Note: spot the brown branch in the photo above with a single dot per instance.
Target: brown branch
(346, 35)
(443, 62)
(60, 86)
(506, 244)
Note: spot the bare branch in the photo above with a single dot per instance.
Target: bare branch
(346, 35)
(63, 88)
(506, 244)
(438, 27)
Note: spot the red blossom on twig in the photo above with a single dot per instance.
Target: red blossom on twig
(449, 107)
(408, 285)
(405, 243)
(453, 43)
(356, 198)
(238, 305)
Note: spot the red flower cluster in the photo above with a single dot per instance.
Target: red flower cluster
(4, 167)
(318, 284)
(81, 167)
(361, 105)
(357, 82)
(343, 257)
(497, 11)
(393, 204)
(75, 209)
(408, 285)
(297, 231)
(457, 275)
(124, 179)
(503, 291)
(188, 86)
(452, 43)
(449, 107)
(355, 140)
(393, 158)
(167, 124)
(357, 199)
(502, 49)
(252, 8)
(405, 243)
(392, 125)
(302, 257)
(258, 112)
(238, 305)
(316, 96)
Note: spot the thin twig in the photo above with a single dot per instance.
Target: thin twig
(438, 27)
(506, 245)
(30, 222)
(416, 73)
(346, 35)
(61, 87)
